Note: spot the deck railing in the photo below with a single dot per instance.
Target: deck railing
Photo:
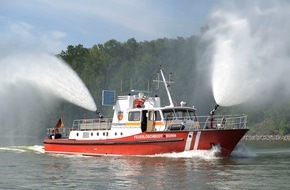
(223, 121)
(207, 122)
(177, 123)
(54, 132)
(81, 124)
(92, 124)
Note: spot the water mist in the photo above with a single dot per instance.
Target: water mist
(49, 74)
(32, 87)
(250, 51)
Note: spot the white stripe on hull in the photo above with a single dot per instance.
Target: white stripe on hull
(188, 141)
(196, 140)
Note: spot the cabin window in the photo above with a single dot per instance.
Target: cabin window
(168, 114)
(192, 115)
(181, 114)
(178, 114)
(134, 116)
(86, 135)
(150, 116)
(157, 116)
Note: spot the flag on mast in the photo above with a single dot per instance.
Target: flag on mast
(59, 124)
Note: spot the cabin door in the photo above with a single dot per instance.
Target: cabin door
(150, 120)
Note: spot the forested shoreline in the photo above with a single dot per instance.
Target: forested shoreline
(123, 66)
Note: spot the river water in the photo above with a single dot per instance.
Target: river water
(253, 165)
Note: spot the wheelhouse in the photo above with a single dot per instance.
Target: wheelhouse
(160, 119)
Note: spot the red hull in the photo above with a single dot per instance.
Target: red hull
(150, 143)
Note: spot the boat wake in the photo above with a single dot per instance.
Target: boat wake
(241, 151)
(199, 154)
(21, 149)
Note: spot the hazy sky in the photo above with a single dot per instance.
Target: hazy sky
(52, 25)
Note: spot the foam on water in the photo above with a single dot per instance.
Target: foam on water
(47, 73)
(20, 149)
(241, 151)
(200, 154)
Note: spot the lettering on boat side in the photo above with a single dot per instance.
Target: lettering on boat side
(154, 136)
(170, 135)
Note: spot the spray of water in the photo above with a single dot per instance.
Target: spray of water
(32, 86)
(242, 151)
(250, 51)
(199, 154)
(48, 74)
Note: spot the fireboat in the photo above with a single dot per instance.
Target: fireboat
(141, 126)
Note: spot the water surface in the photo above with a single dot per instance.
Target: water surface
(253, 165)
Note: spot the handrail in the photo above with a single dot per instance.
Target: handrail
(82, 125)
(92, 124)
(207, 122)
(181, 123)
(223, 121)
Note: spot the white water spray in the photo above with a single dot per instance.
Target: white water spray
(242, 151)
(31, 89)
(22, 149)
(199, 154)
(48, 74)
(250, 51)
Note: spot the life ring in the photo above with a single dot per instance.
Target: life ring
(138, 103)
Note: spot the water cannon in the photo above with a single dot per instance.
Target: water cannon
(215, 108)
(99, 113)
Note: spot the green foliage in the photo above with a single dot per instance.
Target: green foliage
(133, 65)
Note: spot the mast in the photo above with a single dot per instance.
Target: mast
(166, 87)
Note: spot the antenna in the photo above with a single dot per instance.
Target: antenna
(157, 81)
(166, 84)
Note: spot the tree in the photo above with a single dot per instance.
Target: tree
(75, 56)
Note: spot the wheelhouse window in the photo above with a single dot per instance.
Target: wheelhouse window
(168, 114)
(179, 114)
(157, 116)
(151, 116)
(192, 115)
(134, 116)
